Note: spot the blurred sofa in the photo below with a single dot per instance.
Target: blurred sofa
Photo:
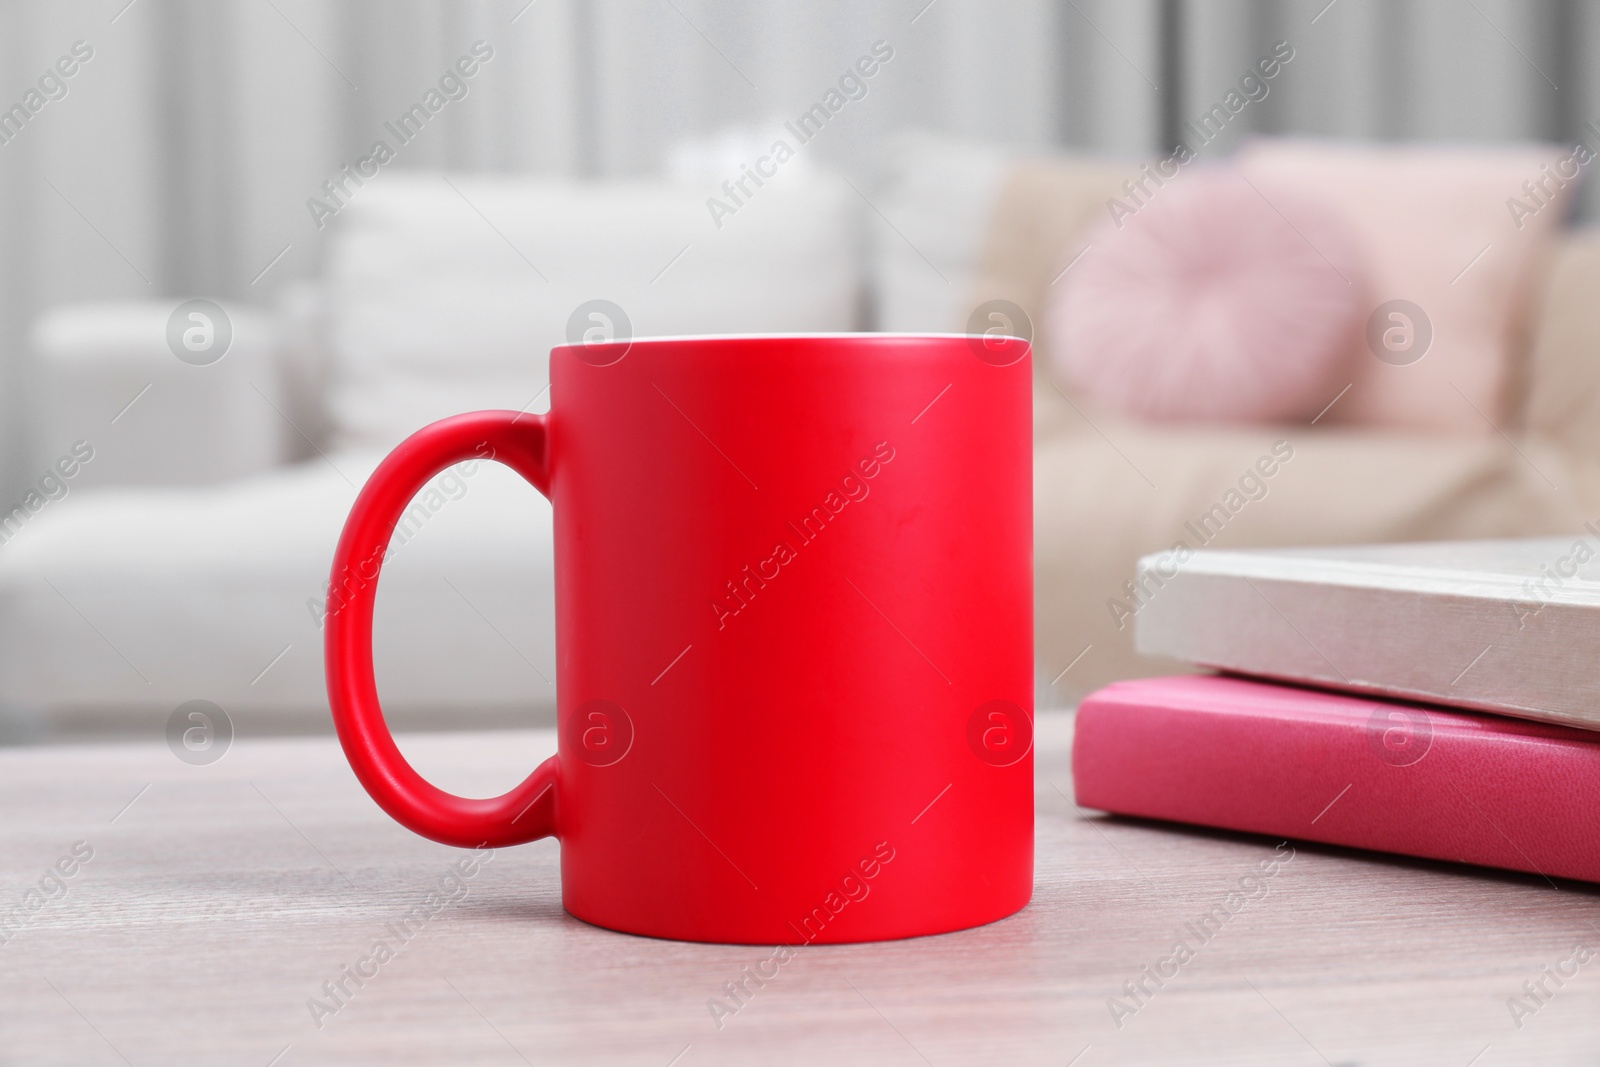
(158, 579)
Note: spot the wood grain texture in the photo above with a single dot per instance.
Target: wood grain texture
(222, 897)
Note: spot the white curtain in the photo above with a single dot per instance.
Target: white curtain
(180, 160)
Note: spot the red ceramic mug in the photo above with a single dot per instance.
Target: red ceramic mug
(794, 620)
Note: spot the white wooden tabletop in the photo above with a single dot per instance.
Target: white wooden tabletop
(218, 899)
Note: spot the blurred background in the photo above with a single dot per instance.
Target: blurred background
(946, 162)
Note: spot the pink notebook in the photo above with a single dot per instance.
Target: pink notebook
(1315, 766)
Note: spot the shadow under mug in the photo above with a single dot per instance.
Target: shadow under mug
(794, 621)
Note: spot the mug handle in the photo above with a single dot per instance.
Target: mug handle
(528, 811)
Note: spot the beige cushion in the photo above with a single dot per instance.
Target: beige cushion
(1045, 207)
(1040, 216)
(1103, 499)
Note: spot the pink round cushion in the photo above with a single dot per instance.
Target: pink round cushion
(1209, 303)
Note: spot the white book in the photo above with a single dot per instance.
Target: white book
(1503, 626)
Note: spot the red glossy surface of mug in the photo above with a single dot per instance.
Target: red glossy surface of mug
(794, 616)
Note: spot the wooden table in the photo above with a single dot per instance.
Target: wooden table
(219, 898)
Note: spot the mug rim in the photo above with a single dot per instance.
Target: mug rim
(871, 336)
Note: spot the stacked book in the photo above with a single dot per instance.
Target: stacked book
(1434, 700)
